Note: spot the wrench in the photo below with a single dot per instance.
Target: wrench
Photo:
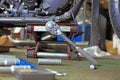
(54, 29)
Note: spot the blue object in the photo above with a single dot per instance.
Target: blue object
(26, 63)
(86, 31)
(60, 39)
(79, 38)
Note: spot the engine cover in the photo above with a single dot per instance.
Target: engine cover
(30, 3)
(57, 7)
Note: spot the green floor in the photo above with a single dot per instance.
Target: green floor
(109, 69)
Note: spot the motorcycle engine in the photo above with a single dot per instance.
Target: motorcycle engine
(34, 7)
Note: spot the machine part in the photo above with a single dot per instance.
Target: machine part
(49, 7)
(95, 51)
(11, 69)
(115, 15)
(34, 74)
(95, 36)
(19, 13)
(54, 29)
(49, 61)
(21, 42)
(57, 73)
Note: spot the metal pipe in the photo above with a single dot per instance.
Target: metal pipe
(52, 55)
(22, 42)
(7, 56)
(49, 61)
(8, 62)
(11, 69)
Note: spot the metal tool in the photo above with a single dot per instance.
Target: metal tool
(54, 29)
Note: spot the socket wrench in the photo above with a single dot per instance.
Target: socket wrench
(54, 29)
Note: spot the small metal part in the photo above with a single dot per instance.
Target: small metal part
(55, 30)
(67, 15)
(57, 73)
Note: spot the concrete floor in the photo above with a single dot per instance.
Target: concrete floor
(109, 68)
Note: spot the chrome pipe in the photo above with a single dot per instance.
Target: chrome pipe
(11, 69)
(44, 61)
(52, 55)
(8, 62)
(7, 56)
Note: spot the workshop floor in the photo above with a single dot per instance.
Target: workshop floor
(109, 68)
